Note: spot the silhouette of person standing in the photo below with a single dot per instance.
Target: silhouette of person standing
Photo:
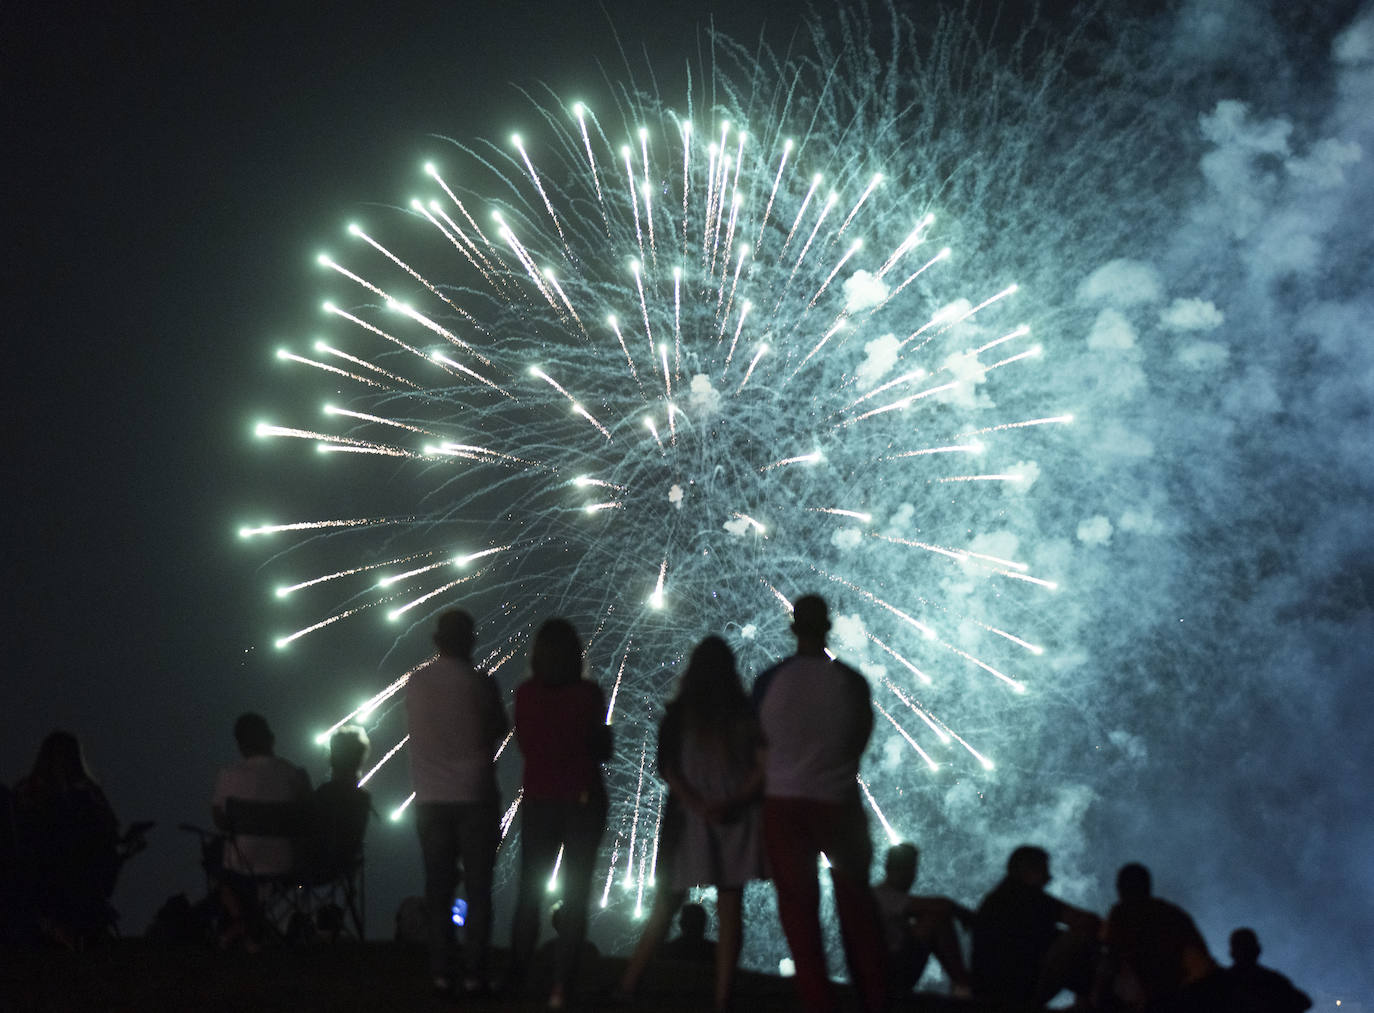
(456, 721)
(710, 751)
(560, 722)
(816, 716)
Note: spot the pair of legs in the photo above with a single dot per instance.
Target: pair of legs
(243, 920)
(545, 826)
(931, 931)
(730, 914)
(796, 832)
(450, 833)
(1069, 963)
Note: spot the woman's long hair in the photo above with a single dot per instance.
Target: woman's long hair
(59, 767)
(556, 654)
(711, 696)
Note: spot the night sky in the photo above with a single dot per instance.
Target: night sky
(169, 180)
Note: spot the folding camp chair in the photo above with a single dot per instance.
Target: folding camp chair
(323, 891)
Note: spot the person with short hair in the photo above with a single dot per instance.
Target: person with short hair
(1252, 988)
(340, 808)
(1152, 948)
(1027, 944)
(259, 776)
(917, 927)
(456, 720)
(690, 945)
(817, 715)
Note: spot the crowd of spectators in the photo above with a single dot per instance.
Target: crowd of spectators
(761, 787)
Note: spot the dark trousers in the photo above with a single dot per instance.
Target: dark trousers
(546, 824)
(450, 833)
(796, 831)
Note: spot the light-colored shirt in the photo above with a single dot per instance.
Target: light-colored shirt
(816, 717)
(260, 779)
(457, 721)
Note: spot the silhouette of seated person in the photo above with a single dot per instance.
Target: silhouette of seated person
(545, 956)
(1253, 988)
(691, 944)
(1027, 944)
(259, 776)
(66, 840)
(916, 927)
(339, 810)
(1153, 951)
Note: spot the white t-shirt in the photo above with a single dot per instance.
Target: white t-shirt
(260, 779)
(816, 717)
(457, 721)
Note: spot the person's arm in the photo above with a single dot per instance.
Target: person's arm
(750, 789)
(861, 706)
(1296, 1001)
(668, 759)
(497, 721)
(1077, 919)
(942, 907)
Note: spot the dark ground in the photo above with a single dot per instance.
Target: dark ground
(136, 975)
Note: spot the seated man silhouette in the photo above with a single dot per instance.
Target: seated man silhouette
(1153, 949)
(544, 957)
(1252, 988)
(340, 809)
(259, 776)
(691, 944)
(1027, 944)
(916, 927)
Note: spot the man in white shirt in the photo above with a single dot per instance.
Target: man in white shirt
(260, 776)
(457, 722)
(817, 716)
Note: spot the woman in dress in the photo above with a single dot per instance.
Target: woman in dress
(710, 751)
(560, 723)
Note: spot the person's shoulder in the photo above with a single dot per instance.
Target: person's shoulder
(850, 673)
(845, 667)
(765, 678)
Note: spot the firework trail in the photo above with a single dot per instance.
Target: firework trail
(661, 373)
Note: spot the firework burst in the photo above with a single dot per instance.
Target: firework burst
(660, 378)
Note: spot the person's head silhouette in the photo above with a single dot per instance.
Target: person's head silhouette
(455, 634)
(810, 623)
(253, 735)
(692, 921)
(900, 865)
(556, 654)
(1245, 948)
(1030, 865)
(348, 747)
(1133, 883)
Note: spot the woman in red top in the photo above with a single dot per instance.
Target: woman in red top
(560, 723)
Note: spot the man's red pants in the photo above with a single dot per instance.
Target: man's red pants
(796, 831)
